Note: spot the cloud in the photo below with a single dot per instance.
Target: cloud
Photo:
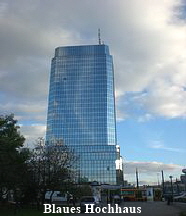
(166, 96)
(146, 39)
(29, 107)
(32, 133)
(156, 144)
(150, 172)
(150, 167)
(146, 117)
(25, 112)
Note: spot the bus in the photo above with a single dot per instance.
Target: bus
(133, 194)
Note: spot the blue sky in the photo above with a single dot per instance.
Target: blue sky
(160, 139)
(147, 40)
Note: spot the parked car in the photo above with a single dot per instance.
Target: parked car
(117, 199)
(180, 198)
(55, 196)
(87, 200)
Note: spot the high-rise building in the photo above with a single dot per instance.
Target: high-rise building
(81, 109)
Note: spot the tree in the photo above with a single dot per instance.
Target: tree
(81, 190)
(30, 174)
(12, 161)
(52, 168)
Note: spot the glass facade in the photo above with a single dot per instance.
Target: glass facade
(81, 109)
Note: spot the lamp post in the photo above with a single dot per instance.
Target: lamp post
(171, 187)
(158, 181)
(184, 171)
(177, 186)
(163, 183)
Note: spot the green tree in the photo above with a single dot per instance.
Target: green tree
(12, 160)
(81, 190)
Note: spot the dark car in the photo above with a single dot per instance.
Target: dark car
(116, 199)
(87, 200)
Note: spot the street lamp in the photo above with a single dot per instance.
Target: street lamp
(171, 187)
(184, 171)
(158, 179)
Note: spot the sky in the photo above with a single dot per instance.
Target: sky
(147, 40)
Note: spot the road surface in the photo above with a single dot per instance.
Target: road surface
(147, 209)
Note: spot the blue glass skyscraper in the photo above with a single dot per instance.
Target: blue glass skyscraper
(81, 109)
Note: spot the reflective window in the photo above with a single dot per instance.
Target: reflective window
(81, 108)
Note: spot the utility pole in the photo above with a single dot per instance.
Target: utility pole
(171, 187)
(137, 181)
(163, 183)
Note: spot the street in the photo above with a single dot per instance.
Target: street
(147, 209)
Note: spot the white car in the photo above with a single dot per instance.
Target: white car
(55, 196)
